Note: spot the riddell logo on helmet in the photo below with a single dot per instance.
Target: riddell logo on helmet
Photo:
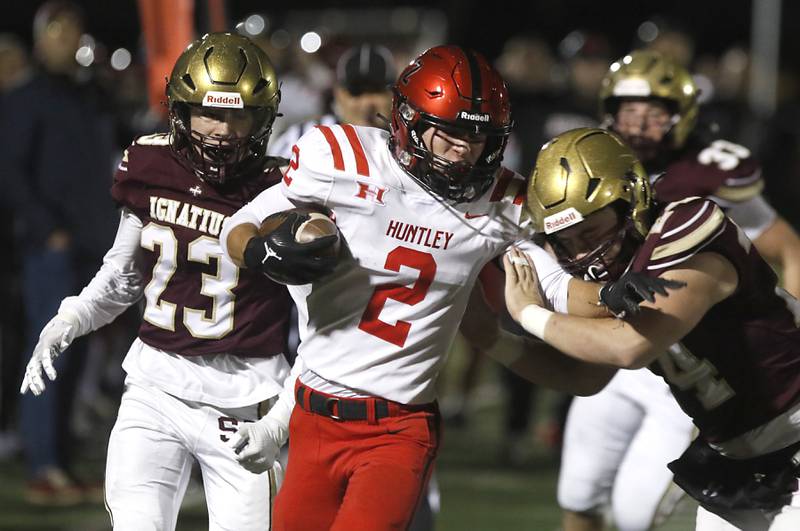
(475, 117)
(562, 220)
(231, 100)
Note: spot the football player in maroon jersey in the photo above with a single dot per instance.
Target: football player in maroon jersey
(651, 102)
(727, 344)
(208, 356)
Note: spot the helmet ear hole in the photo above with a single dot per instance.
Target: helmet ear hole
(261, 85)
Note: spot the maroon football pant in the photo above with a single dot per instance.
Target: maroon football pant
(356, 475)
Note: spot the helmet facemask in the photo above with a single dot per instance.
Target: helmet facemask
(591, 198)
(219, 159)
(457, 181)
(609, 259)
(455, 91)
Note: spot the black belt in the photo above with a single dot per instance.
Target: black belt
(339, 408)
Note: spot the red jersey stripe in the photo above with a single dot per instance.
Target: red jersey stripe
(336, 151)
(362, 166)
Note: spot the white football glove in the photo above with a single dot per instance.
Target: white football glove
(55, 337)
(257, 444)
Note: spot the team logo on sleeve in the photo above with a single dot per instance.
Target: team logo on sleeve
(562, 220)
(371, 192)
(230, 100)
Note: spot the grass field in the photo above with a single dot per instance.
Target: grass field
(478, 493)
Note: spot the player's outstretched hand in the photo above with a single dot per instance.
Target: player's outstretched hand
(624, 296)
(522, 283)
(55, 337)
(257, 444)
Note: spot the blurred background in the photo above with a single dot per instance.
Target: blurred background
(500, 459)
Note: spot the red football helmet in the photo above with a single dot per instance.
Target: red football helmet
(455, 90)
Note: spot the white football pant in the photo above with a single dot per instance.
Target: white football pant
(617, 444)
(150, 453)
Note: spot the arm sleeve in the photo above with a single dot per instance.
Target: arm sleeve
(553, 279)
(753, 216)
(282, 410)
(115, 287)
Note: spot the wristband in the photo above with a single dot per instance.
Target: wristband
(507, 349)
(534, 319)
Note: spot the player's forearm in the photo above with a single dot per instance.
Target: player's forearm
(791, 274)
(605, 341)
(236, 242)
(780, 246)
(243, 225)
(542, 364)
(584, 299)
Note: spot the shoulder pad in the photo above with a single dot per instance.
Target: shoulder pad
(510, 185)
(334, 147)
(722, 170)
(682, 229)
(157, 139)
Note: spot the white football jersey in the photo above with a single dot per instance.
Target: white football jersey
(382, 323)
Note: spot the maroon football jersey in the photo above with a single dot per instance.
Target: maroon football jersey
(721, 170)
(197, 301)
(740, 366)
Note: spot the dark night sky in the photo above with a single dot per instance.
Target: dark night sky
(715, 24)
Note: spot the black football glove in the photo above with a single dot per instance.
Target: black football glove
(286, 261)
(623, 296)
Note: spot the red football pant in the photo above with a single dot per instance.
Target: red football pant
(353, 475)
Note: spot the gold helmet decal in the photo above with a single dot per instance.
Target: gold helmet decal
(582, 171)
(647, 74)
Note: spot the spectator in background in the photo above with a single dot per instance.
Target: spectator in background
(56, 155)
(14, 69)
(528, 65)
(361, 93)
(585, 57)
(14, 62)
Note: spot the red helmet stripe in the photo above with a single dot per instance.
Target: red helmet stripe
(362, 166)
(336, 151)
(475, 80)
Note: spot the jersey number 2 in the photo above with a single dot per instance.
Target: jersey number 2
(398, 332)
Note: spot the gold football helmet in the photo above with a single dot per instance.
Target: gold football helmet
(645, 74)
(578, 173)
(219, 73)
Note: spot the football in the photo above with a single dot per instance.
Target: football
(318, 225)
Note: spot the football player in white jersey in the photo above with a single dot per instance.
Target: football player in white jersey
(421, 209)
(209, 353)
